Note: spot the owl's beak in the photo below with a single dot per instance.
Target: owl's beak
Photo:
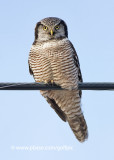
(51, 32)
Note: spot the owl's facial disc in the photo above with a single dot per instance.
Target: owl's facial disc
(49, 29)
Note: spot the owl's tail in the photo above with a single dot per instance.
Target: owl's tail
(79, 127)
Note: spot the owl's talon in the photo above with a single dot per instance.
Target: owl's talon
(52, 81)
(46, 81)
(49, 82)
(38, 81)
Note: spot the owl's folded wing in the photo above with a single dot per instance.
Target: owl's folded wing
(76, 62)
(57, 109)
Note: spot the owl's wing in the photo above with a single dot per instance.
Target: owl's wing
(30, 70)
(76, 62)
(57, 109)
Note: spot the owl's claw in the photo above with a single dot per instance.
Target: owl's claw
(52, 81)
(46, 81)
(38, 81)
(49, 82)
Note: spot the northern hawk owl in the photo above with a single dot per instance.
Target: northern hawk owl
(53, 59)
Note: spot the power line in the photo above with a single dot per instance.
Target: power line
(43, 86)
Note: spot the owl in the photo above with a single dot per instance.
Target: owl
(53, 60)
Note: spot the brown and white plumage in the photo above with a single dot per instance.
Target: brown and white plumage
(53, 58)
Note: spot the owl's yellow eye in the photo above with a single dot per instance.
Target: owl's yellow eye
(57, 27)
(45, 28)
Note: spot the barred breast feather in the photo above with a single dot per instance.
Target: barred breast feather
(57, 61)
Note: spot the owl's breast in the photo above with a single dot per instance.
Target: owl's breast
(54, 61)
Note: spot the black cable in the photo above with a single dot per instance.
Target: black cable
(43, 86)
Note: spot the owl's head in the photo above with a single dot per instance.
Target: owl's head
(50, 28)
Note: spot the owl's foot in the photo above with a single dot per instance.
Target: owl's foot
(46, 82)
(49, 82)
(52, 81)
(39, 81)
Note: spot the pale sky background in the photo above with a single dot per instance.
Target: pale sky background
(25, 117)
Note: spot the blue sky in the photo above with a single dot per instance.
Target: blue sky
(25, 117)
